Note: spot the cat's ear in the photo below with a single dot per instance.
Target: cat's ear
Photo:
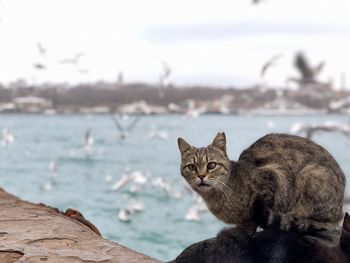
(183, 145)
(345, 235)
(220, 141)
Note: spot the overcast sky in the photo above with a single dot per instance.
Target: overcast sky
(205, 42)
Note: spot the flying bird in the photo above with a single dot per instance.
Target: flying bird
(310, 129)
(125, 214)
(7, 137)
(272, 61)
(89, 141)
(164, 75)
(158, 134)
(306, 71)
(74, 60)
(42, 50)
(124, 131)
(136, 177)
(52, 168)
(256, 2)
(83, 71)
(40, 66)
(164, 78)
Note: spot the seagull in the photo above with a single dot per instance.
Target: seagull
(39, 66)
(135, 206)
(125, 215)
(52, 168)
(120, 78)
(124, 131)
(174, 107)
(83, 71)
(135, 189)
(193, 213)
(269, 63)
(47, 186)
(89, 141)
(160, 183)
(42, 50)
(192, 111)
(7, 137)
(139, 177)
(74, 60)
(270, 124)
(310, 129)
(177, 194)
(124, 180)
(308, 74)
(158, 134)
(255, 2)
(136, 177)
(164, 75)
(164, 78)
(342, 104)
(108, 178)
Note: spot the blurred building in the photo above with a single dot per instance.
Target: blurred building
(32, 104)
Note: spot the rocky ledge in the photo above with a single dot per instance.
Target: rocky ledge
(38, 233)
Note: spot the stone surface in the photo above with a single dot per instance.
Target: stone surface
(37, 233)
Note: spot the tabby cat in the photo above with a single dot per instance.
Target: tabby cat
(281, 180)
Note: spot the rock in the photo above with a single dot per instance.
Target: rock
(36, 233)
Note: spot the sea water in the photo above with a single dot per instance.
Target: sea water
(83, 179)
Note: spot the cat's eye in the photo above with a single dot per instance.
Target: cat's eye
(192, 167)
(211, 166)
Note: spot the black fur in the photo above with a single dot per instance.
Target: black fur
(269, 246)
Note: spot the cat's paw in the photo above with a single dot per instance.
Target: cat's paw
(286, 222)
(301, 224)
(249, 228)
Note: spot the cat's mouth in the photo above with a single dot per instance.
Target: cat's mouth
(202, 184)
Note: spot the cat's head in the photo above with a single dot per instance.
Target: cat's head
(207, 167)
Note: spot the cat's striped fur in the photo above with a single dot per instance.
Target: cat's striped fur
(281, 180)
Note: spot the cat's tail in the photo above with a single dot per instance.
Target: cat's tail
(345, 236)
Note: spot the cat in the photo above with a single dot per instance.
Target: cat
(234, 245)
(281, 180)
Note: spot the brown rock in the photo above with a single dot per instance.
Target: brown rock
(38, 233)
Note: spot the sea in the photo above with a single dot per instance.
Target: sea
(47, 162)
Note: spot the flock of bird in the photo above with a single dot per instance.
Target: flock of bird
(74, 60)
(135, 182)
(308, 73)
(132, 182)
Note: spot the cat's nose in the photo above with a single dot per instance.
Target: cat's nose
(201, 176)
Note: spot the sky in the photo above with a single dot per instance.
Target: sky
(222, 42)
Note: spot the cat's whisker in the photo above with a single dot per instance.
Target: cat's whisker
(222, 191)
(227, 188)
(221, 188)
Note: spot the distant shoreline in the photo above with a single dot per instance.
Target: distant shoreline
(108, 98)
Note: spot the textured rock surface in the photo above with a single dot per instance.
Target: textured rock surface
(37, 233)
